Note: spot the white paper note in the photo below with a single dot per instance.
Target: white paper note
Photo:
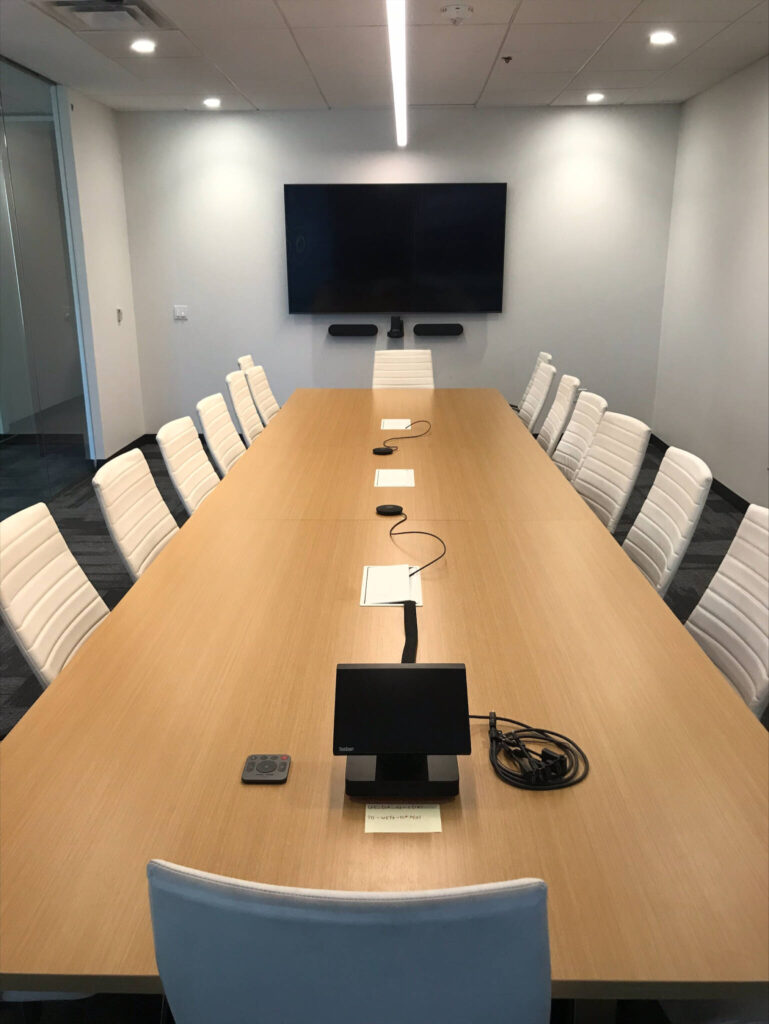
(396, 424)
(403, 818)
(394, 478)
(383, 585)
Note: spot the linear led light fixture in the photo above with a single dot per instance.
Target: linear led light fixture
(396, 28)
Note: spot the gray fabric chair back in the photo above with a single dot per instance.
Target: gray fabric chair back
(238, 952)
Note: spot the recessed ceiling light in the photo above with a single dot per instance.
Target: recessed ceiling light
(143, 45)
(396, 28)
(595, 97)
(662, 38)
(212, 102)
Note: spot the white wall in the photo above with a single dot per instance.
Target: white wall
(114, 379)
(713, 379)
(589, 194)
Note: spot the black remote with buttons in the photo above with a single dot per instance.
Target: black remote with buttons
(268, 769)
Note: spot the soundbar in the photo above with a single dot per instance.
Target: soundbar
(438, 330)
(352, 330)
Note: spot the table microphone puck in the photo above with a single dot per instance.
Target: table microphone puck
(384, 450)
(389, 510)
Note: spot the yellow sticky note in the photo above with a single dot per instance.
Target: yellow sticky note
(403, 818)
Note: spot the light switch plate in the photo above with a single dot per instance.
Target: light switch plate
(180, 312)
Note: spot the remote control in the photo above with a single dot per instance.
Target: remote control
(267, 769)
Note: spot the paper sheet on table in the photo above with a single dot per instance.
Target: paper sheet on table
(394, 478)
(403, 818)
(396, 424)
(384, 585)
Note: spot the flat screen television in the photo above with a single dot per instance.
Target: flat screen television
(395, 248)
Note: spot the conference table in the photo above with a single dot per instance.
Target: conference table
(656, 864)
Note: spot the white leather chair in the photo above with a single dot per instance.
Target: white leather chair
(137, 518)
(243, 404)
(663, 529)
(543, 357)
(559, 412)
(610, 468)
(731, 621)
(46, 600)
(264, 400)
(534, 402)
(223, 440)
(403, 368)
(232, 951)
(188, 466)
(579, 433)
(244, 362)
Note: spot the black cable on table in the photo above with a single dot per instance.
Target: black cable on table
(423, 533)
(407, 437)
(554, 762)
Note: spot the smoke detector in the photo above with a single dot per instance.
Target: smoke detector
(457, 13)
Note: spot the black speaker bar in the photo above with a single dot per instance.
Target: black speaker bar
(353, 330)
(420, 330)
(438, 330)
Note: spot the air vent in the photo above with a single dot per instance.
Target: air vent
(104, 15)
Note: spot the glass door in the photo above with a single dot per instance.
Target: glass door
(43, 426)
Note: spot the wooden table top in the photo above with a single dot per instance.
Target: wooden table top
(657, 864)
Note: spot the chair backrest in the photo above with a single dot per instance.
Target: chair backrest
(663, 529)
(610, 468)
(543, 357)
(191, 473)
(535, 400)
(244, 362)
(383, 957)
(137, 518)
(579, 433)
(403, 368)
(222, 438)
(264, 400)
(731, 621)
(243, 404)
(46, 600)
(560, 410)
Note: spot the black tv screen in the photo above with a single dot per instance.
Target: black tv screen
(395, 248)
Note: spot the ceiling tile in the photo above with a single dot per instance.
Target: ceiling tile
(736, 47)
(330, 13)
(118, 44)
(177, 75)
(204, 19)
(526, 98)
(591, 80)
(678, 85)
(503, 88)
(690, 10)
(450, 64)
(577, 98)
(351, 65)
(163, 102)
(545, 38)
(549, 11)
(758, 13)
(269, 67)
(550, 60)
(629, 48)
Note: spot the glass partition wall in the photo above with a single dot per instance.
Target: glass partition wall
(44, 443)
